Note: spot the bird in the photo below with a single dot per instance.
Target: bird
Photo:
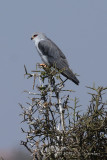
(51, 55)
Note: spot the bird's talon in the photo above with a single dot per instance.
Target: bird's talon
(43, 65)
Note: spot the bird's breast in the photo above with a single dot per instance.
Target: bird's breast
(43, 57)
(45, 60)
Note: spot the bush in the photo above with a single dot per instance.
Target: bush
(57, 130)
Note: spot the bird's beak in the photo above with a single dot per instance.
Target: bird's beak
(32, 37)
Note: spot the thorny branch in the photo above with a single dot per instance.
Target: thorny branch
(56, 130)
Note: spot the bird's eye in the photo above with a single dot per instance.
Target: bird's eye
(35, 35)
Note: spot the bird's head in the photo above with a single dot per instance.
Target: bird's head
(34, 36)
(38, 35)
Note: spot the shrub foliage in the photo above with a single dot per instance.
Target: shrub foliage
(55, 127)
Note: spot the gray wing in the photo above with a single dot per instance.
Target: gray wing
(55, 57)
(53, 54)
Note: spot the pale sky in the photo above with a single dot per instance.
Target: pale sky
(79, 28)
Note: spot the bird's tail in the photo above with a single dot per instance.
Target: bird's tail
(70, 75)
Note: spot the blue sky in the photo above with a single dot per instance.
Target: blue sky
(79, 28)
